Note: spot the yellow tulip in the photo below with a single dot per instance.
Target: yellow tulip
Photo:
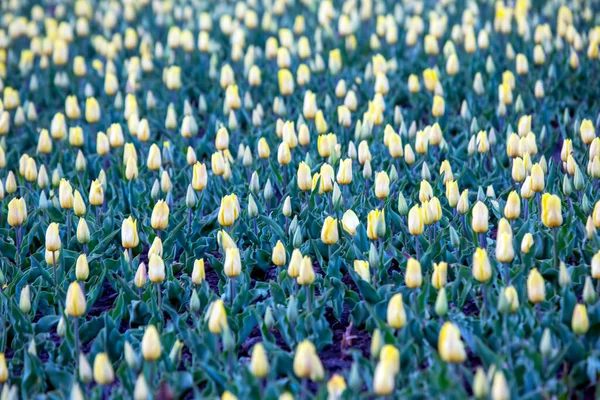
(536, 289)
(413, 277)
(551, 211)
(75, 304)
(129, 234)
(450, 345)
(151, 348)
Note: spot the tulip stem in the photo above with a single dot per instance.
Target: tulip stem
(68, 227)
(556, 260)
(18, 243)
(54, 270)
(304, 390)
(76, 334)
(308, 298)
(482, 240)
(158, 297)
(417, 247)
(506, 273)
(484, 299)
(189, 221)
(232, 290)
(130, 261)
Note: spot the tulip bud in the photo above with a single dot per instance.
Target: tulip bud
(103, 371)
(141, 390)
(292, 310)
(579, 322)
(413, 277)
(259, 364)
(481, 386)
(536, 290)
(396, 315)
(75, 304)
(25, 300)
(441, 303)
(450, 345)
(589, 293)
(329, 233)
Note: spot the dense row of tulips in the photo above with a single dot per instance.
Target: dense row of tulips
(288, 199)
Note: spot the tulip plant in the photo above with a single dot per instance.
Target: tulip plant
(299, 199)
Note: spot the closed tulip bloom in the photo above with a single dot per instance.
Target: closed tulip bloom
(304, 177)
(15, 213)
(306, 361)
(279, 255)
(512, 210)
(344, 175)
(92, 110)
(295, 264)
(482, 269)
(336, 387)
(83, 232)
(536, 288)
(327, 178)
(129, 234)
(53, 242)
(505, 252)
(151, 347)
(104, 374)
(218, 163)
(579, 322)
(25, 300)
(414, 277)
(396, 315)
(306, 274)
(350, 222)
(222, 139)
(160, 216)
(551, 211)
(154, 161)
(65, 195)
(383, 379)
(284, 155)
(329, 232)
(362, 269)
(511, 296)
(440, 275)
(82, 269)
(372, 220)
(450, 345)
(439, 106)
(156, 269)
(395, 146)
(78, 204)
(587, 131)
(217, 317)
(537, 178)
(199, 177)
(263, 148)
(102, 144)
(382, 185)
(229, 211)
(198, 273)
(480, 218)
(526, 243)
(75, 305)
(500, 389)
(96, 193)
(233, 264)
(452, 193)
(415, 221)
(259, 363)
(463, 202)
(286, 82)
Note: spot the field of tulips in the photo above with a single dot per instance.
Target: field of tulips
(299, 199)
